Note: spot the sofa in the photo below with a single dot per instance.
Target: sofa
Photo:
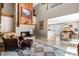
(10, 44)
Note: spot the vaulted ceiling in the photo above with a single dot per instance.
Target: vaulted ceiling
(35, 4)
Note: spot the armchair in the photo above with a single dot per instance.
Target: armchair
(10, 44)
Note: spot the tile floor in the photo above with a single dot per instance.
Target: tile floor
(38, 49)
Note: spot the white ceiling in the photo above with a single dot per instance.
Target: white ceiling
(49, 4)
(35, 4)
(52, 5)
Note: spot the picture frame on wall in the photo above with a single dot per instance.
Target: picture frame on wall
(25, 12)
(41, 25)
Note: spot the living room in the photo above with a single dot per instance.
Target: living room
(25, 31)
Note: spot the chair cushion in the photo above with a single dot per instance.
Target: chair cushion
(27, 43)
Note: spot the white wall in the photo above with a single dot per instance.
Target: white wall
(44, 14)
(63, 19)
(70, 19)
(57, 24)
(63, 9)
(7, 24)
(41, 11)
(8, 8)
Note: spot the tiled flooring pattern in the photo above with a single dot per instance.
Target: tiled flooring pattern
(38, 49)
